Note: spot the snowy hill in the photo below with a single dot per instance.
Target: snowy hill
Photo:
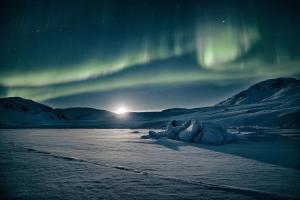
(272, 89)
(18, 112)
(272, 103)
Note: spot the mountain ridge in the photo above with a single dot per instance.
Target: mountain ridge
(271, 89)
(256, 101)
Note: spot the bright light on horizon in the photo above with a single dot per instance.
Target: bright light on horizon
(121, 110)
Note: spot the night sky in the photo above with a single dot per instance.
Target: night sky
(146, 55)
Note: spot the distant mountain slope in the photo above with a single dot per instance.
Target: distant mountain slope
(19, 112)
(274, 103)
(82, 113)
(272, 89)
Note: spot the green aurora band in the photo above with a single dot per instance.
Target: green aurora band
(213, 44)
(222, 48)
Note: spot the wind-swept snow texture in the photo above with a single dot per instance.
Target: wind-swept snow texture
(117, 164)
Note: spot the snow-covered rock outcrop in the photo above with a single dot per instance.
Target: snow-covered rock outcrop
(213, 133)
(189, 133)
(193, 131)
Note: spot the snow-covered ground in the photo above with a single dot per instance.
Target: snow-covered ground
(118, 164)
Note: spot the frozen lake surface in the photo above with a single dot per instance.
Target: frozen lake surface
(117, 164)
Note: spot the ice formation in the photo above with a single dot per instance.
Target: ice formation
(194, 131)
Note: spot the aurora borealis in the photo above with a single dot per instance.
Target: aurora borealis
(55, 50)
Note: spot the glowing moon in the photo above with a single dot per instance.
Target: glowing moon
(121, 110)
